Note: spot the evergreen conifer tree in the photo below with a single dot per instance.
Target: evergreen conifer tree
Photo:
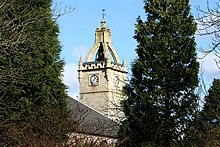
(161, 96)
(211, 115)
(33, 104)
(206, 128)
(211, 111)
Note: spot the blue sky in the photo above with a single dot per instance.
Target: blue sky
(77, 34)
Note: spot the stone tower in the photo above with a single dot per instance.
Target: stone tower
(102, 76)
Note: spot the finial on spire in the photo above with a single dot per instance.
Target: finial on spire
(80, 60)
(103, 19)
(103, 13)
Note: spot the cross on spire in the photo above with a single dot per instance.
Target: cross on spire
(103, 14)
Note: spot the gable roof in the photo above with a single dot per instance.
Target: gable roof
(91, 122)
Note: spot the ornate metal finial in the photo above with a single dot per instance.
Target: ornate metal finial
(103, 13)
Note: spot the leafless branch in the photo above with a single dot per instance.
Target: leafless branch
(58, 12)
(209, 25)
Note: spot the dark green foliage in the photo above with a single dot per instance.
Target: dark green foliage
(31, 91)
(205, 130)
(211, 110)
(160, 96)
(211, 115)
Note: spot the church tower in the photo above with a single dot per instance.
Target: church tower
(102, 76)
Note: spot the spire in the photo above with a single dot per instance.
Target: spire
(124, 63)
(80, 60)
(103, 45)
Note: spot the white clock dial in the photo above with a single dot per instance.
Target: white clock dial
(94, 79)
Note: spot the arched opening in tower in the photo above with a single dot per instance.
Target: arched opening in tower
(100, 56)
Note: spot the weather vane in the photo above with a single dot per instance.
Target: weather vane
(103, 13)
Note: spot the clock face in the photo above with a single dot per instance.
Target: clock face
(94, 79)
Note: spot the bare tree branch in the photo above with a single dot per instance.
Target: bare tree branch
(209, 25)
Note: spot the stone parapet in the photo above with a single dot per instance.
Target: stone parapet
(102, 65)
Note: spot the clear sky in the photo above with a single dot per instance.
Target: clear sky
(77, 34)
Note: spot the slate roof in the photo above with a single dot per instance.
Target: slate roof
(91, 122)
